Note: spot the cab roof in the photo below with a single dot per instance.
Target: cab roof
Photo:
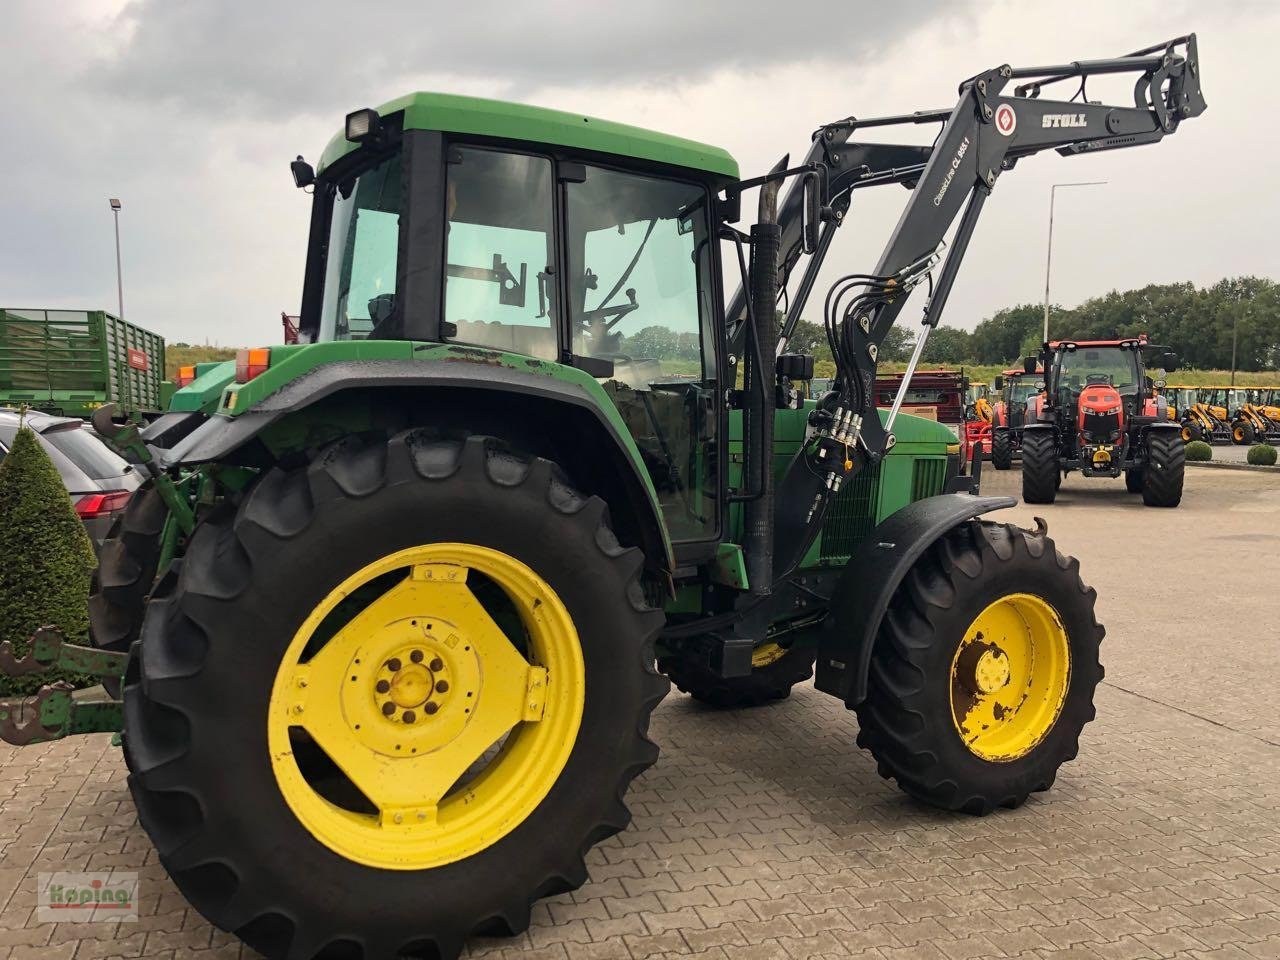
(517, 121)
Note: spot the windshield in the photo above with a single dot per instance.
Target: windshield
(1022, 389)
(360, 264)
(1114, 365)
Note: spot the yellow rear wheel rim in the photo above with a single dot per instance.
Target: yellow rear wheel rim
(411, 698)
(1009, 677)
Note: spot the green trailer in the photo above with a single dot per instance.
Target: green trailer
(71, 362)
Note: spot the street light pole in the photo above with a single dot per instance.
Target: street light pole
(1048, 260)
(115, 210)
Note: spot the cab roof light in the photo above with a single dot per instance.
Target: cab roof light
(252, 363)
(364, 125)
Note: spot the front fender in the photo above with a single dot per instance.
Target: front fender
(871, 577)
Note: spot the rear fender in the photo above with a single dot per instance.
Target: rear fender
(870, 579)
(587, 437)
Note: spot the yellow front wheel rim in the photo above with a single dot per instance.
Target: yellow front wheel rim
(452, 731)
(1009, 677)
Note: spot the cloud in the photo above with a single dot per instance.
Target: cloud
(276, 59)
(190, 112)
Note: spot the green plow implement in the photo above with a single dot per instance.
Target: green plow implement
(54, 712)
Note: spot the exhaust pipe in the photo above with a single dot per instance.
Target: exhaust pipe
(766, 242)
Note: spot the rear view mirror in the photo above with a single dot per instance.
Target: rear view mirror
(303, 173)
(811, 212)
(1029, 365)
(999, 383)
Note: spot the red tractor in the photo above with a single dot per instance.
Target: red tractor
(1014, 388)
(1101, 414)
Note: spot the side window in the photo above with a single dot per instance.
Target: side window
(364, 237)
(500, 254)
(640, 282)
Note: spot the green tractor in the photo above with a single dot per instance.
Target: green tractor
(400, 598)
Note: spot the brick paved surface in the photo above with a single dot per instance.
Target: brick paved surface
(767, 834)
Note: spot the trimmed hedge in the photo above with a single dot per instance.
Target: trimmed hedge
(45, 558)
(1262, 455)
(1199, 451)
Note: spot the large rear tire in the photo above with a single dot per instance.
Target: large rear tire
(1002, 450)
(324, 617)
(1166, 466)
(774, 671)
(984, 669)
(126, 569)
(125, 574)
(1040, 473)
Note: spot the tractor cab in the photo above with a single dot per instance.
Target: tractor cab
(541, 249)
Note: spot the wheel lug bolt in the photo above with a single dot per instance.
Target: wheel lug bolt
(388, 709)
(442, 686)
(431, 708)
(383, 686)
(409, 716)
(436, 665)
(416, 656)
(393, 664)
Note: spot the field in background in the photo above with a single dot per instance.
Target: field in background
(184, 355)
(983, 373)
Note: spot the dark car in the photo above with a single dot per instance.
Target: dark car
(99, 482)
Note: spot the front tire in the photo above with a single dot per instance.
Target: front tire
(378, 856)
(1134, 478)
(1242, 433)
(983, 672)
(1002, 450)
(1166, 467)
(1191, 431)
(1040, 473)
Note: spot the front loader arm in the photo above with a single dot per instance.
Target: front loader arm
(985, 134)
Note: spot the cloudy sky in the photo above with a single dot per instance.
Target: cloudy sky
(190, 112)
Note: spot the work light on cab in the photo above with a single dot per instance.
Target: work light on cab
(252, 363)
(363, 125)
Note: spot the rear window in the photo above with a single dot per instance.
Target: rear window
(86, 452)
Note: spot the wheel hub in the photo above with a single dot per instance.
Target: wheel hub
(411, 687)
(992, 671)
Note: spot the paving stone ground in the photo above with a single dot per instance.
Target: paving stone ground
(767, 834)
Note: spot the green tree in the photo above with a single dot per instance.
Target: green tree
(809, 338)
(1000, 338)
(44, 579)
(948, 345)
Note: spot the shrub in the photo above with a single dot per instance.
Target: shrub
(1199, 451)
(46, 557)
(1262, 455)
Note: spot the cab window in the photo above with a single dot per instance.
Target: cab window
(499, 251)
